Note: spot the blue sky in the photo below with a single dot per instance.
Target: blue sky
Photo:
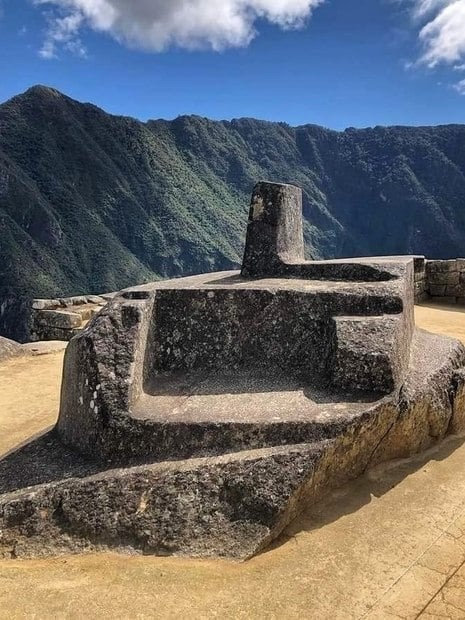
(337, 63)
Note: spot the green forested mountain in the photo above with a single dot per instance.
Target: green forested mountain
(91, 202)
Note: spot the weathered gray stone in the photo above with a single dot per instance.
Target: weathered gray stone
(230, 505)
(444, 299)
(372, 353)
(95, 299)
(453, 278)
(437, 290)
(442, 278)
(8, 349)
(421, 297)
(78, 300)
(46, 333)
(440, 266)
(228, 400)
(58, 318)
(45, 304)
(274, 232)
(85, 312)
(455, 290)
(419, 265)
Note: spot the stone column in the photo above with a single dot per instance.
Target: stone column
(274, 232)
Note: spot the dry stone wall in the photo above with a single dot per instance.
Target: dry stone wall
(440, 280)
(446, 279)
(63, 318)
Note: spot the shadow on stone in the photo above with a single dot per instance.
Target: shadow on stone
(40, 460)
(247, 382)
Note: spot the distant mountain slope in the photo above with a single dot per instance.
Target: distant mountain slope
(91, 202)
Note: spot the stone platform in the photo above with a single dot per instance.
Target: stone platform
(199, 414)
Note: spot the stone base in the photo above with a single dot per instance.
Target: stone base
(233, 505)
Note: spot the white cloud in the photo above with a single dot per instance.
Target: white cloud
(442, 32)
(460, 87)
(155, 25)
(63, 32)
(426, 7)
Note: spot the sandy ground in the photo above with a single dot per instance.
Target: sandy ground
(389, 545)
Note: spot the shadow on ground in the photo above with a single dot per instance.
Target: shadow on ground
(352, 496)
(42, 459)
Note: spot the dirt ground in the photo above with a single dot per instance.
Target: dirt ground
(389, 545)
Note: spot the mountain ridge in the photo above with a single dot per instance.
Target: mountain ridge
(37, 88)
(91, 201)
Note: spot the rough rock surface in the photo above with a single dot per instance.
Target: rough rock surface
(64, 318)
(8, 348)
(197, 415)
(231, 505)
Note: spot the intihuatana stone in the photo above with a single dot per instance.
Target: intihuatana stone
(199, 414)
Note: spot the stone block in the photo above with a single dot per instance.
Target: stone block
(60, 319)
(85, 312)
(232, 504)
(371, 353)
(457, 290)
(95, 299)
(437, 290)
(79, 300)
(443, 299)
(443, 266)
(55, 333)
(421, 297)
(453, 277)
(45, 304)
(439, 278)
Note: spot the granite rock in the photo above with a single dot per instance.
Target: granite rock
(198, 415)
